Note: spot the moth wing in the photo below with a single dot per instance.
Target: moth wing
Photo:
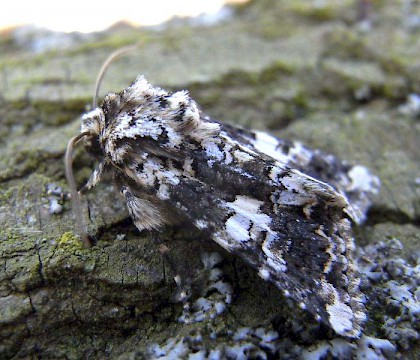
(305, 253)
(355, 182)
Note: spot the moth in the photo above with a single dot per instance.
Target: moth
(284, 209)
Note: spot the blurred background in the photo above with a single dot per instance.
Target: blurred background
(96, 15)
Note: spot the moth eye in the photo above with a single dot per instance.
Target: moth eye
(93, 146)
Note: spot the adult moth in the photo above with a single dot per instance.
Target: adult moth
(281, 207)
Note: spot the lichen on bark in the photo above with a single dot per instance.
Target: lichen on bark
(299, 72)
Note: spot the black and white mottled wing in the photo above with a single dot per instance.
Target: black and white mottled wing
(175, 163)
(355, 182)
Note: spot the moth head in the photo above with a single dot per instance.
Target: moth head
(92, 126)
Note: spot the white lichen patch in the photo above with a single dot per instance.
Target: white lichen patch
(55, 206)
(211, 304)
(394, 284)
(362, 180)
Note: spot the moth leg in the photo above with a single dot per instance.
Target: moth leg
(145, 213)
(95, 177)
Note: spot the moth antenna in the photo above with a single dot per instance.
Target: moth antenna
(68, 159)
(75, 197)
(115, 55)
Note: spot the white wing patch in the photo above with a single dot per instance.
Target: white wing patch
(247, 221)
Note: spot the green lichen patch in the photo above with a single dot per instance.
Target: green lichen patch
(345, 43)
(70, 243)
(39, 151)
(59, 112)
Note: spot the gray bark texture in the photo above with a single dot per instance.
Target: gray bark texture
(300, 71)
